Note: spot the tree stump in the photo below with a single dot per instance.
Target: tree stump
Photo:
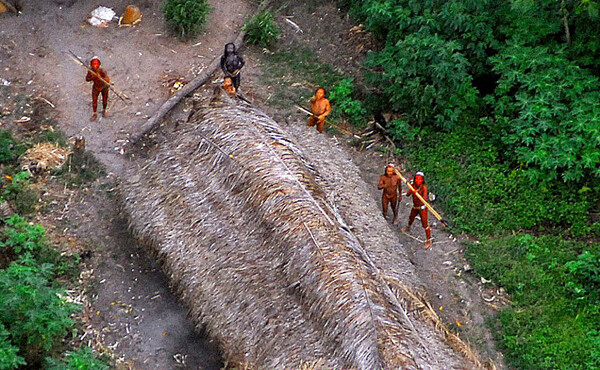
(78, 161)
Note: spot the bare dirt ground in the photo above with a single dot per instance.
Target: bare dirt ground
(131, 311)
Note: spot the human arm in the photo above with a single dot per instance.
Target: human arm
(104, 75)
(223, 64)
(89, 76)
(381, 183)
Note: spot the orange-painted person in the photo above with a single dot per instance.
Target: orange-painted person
(228, 86)
(320, 108)
(419, 207)
(98, 87)
(391, 184)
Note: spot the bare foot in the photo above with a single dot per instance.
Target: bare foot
(395, 222)
(427, 244)
(105, 114)
(405, 229)
(94, 116)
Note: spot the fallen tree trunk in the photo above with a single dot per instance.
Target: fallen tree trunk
(188, 89)
(9, 6)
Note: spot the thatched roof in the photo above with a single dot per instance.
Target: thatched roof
(252, 240)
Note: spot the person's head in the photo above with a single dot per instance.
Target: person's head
(389, 169)
(95, 63)
(320, 93)
(227, 81)
(419, 178)
(229, 48)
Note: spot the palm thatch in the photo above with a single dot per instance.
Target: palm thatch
(265, 260)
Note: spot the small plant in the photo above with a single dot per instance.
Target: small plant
(20, 193)
(185, 17)
(261, 29)
(10, 149)
(80, 359)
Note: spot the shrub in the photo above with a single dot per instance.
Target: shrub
(185, 17)
(344, 105)
(547, 114)
(261, 29)
(80, 359)
(20, 193)
(425, 77)
(10, 149)
(31, 308)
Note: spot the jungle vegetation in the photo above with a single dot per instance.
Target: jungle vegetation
(500, 106)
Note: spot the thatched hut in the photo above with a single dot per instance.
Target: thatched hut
(251, 238)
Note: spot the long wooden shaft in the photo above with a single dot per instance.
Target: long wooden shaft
(433, 211)
(76, 59)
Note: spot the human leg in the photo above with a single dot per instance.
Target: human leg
(321, 124)
(394, 202)
(411, 219)
(104, 102)
(426, 227)
(94, 104)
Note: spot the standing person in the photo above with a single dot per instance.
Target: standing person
(100, 80)
(231, 64)
(419, 207)
(320, 108)
(391, 184)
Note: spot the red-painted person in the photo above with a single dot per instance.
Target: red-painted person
(391, 184)
(98, 87)
(419, 207)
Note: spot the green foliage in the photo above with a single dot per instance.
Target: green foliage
(9, 358)
(548, 114)
(345, 106)
(20, 193)
(544, 328)
(261, 29)
(81, 359)
(185, 17)
(584, 276)
(426, 77)
(20, 237)
(480, 192)
(32, 309)
(10, 149)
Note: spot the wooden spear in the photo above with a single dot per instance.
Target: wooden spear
(433, 211)
(303, 109)
(81, 63)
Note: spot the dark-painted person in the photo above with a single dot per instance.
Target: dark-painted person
(231, 64)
